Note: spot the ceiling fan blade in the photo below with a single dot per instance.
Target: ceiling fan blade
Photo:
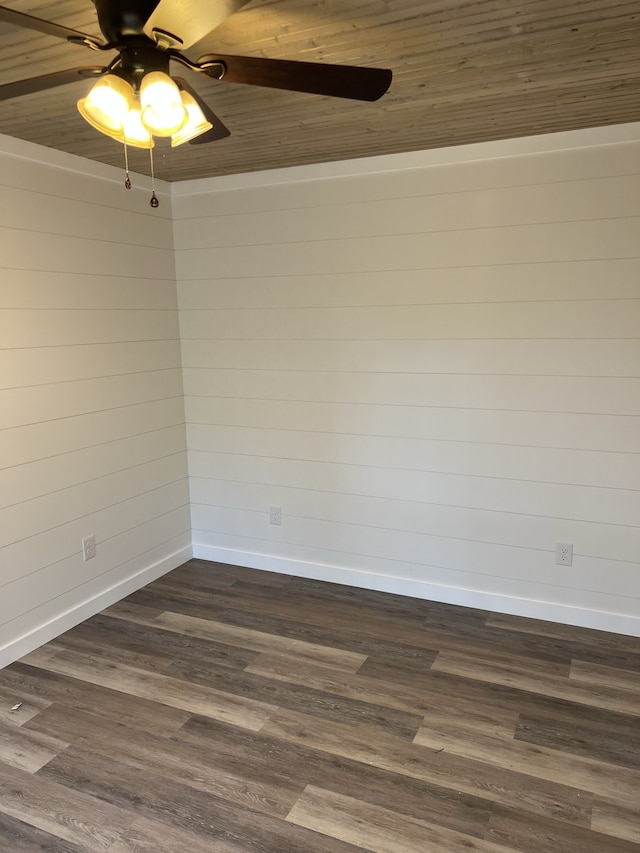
(47, 81)
(19, 19)
(218, 131)
(338, 81)
(188, 21)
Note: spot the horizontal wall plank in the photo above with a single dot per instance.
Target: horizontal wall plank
(43, 365)
(29, 174)
(551, 465)
(604, 319)
(49, 214)
(83, 499)
(569, 241)
(575, 164)
(535, 429)
(27, 250)
(52, 475)
(49, 402)
(555, 357)
(534, 282)
(476, 525)
(491, 208)
(47, 289)
(611, 506)
(524, 393)
(433, 552)
(32, 442)
(65, 541)
(42, 328)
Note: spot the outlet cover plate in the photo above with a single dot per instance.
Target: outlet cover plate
(564, 554)
(275, 515)
(88, 547)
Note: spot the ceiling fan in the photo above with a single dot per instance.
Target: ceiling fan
(128, 102)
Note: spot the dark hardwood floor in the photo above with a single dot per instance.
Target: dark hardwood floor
(225, 710)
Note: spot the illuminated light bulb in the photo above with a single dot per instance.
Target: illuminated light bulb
(107, 104)
(196, 122)
(163, 112)
(134, 132)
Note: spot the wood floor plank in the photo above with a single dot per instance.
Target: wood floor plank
(339, 617)
(344, 685)
(444, 768)
(584, 774)
(321, 700)
(605, 676)
(258, 641)
(93, 824)
(378, 829)
(544, 835)
(190, 762)
(149, 646)
(576, 643)
(197, 577)
(614, 744)
(173, 808)
(76, 819)
(538, 628)
(462, 692)
(326, 594)
(129, 610)
(16, 836)
(498, 672)
(228, 710)
(33, 683)
(612, 819)
(250, 713)
(29, 706)
(292, 629)
(232, 748)
(394, 695)
(27, 750)
(489, 641)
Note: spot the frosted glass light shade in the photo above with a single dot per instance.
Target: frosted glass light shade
(134, 132)
(163, 112)
(107, 105)
(196, 122)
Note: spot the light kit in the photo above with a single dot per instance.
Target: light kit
(134, 118)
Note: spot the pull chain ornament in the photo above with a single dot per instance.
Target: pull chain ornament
(154, 199)
(127, 180)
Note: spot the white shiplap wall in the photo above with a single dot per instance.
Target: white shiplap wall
(92, 437)
(433, 367)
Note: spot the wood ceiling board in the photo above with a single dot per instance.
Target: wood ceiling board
(463, 72)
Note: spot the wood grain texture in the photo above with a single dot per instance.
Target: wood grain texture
(234, 710)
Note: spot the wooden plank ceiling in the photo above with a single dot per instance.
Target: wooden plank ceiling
(464, 71)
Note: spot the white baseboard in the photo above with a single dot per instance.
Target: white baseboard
(545, 610)
(71, 617)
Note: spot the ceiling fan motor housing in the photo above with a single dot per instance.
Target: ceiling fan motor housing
(120, 19)
(138, 59)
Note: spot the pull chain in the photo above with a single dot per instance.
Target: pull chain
(154, 200)
(127, 180)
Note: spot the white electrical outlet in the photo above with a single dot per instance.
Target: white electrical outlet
(89, 547)
(275, 515)
(564, 554)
